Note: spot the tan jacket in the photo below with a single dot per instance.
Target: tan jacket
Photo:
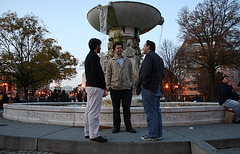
(119, 78)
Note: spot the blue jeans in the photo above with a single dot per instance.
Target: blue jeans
(151, 103)
(235, 105)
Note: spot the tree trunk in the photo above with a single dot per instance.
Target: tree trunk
(25, 94)
(213, 89)
(171, 95)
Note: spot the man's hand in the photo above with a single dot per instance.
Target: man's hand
(105, 92)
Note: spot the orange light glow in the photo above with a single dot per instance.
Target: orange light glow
(83, 85)
(166, 86)
(4, 84)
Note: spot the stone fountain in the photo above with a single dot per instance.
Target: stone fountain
(124, 22)
(72, 114)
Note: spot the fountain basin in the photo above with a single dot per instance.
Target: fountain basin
(44, 113)
(142, 16)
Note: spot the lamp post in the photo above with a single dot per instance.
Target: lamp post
(5, 85)
(176, 88)
(166, 86)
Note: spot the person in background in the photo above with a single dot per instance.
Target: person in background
(197, 98)
(80, 96)
(3, 99)
(119, 81)
(84, 95)
(63, 96)
(41, 98)
(59, 93)
(150, 84)
(188, 99)
(96, 89)
(16, 99)
(54, 95)
(31, 98)
(228, 98)
(72, 98)
(239, 91)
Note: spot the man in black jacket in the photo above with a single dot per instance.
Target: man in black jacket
(150, 84)
(96, 89)
(227, 97)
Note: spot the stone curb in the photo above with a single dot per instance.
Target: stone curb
(67, 146)
(201, 147)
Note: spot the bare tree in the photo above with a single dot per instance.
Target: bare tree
(214, 26)
(172, 72)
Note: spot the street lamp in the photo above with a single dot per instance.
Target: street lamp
(166, 86)
(176, 87)
(83, 86)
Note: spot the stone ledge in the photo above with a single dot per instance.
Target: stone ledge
(74, 116)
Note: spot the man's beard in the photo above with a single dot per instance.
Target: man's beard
(98, 50)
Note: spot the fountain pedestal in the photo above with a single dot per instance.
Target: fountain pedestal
(124, 23)
(61, 114)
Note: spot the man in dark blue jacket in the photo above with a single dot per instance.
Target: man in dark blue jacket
(150, 84)
(96, 89)
(227, 97)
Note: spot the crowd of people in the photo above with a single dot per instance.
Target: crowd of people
(63, 96)
(55, 96)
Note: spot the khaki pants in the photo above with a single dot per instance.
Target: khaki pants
(92, 112)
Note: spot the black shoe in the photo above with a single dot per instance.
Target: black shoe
(236, 122)
(86, 136)
(99, 139)
(115, 130)
(131, 130)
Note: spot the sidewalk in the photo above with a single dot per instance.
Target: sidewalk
(212, 138)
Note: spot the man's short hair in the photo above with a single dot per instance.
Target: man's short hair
(93, 43)
(115, 44)
(151, 44)
(225, 76)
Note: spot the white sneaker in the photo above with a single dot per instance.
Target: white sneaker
(145, 138)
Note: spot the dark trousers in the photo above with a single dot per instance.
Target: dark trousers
(126, 97)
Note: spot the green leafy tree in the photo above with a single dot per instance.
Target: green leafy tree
(214, 26)
(31, 59)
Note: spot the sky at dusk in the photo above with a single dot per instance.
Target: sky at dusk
(67, 22)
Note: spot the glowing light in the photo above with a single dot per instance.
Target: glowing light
(83, 85)
(4, 84)
(166, 86)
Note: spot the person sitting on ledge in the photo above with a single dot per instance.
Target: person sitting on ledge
(227, 97)
(239, 89)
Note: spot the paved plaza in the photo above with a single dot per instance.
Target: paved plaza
(19, 137)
